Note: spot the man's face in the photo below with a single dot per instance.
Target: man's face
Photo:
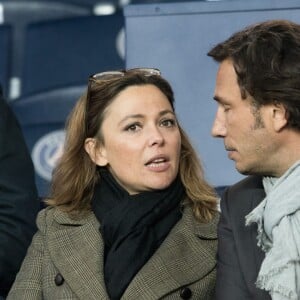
(246, 130)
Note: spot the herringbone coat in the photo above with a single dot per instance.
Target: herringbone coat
(65, 261)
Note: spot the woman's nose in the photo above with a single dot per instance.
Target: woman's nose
(155, 136)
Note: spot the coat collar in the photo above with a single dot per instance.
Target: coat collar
(257, 196)
(77, 251)
(249, 198)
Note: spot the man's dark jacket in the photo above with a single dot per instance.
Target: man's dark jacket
(239, 257)
(19, 203)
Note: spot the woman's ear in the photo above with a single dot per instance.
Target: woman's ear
(280, 116)
(96, 153)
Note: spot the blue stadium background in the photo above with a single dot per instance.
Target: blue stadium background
(49, 48)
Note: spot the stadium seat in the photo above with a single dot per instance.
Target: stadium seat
(65, 52)
(42, 118)
(18, 14)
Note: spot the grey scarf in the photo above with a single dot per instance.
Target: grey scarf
(278, 220)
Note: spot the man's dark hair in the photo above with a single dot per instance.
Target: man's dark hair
(266, 58)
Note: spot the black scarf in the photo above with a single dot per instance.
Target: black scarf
(132, 227)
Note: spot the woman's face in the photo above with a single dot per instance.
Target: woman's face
(142, 141)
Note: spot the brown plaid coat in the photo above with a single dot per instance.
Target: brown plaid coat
(65, 261)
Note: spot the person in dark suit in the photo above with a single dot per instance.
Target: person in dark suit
(130, 215)
(19, 203)
(258, 116)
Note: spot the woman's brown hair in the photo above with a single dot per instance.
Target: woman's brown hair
(75, 176)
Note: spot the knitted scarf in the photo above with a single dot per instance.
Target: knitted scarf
(132, 227)
(278, 220)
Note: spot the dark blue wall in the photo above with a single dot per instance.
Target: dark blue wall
(175, 38)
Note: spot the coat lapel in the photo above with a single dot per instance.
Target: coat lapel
(250, 254)
(257, 196)
(184, 257)
(77, 251)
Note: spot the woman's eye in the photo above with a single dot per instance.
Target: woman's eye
(133, 127)
(168, 123)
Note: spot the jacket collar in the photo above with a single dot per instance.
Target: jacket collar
(247, 235)
(78, 254)
(257, 196)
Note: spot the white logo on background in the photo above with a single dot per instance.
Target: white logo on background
(47, 151)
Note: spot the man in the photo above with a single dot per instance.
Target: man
(258, 116)
(19, 202)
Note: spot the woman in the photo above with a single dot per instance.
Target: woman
(131, 216)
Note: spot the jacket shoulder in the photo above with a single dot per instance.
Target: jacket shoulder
(240, 198)
(248, 183)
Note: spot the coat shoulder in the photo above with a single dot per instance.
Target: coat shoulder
(250, 182)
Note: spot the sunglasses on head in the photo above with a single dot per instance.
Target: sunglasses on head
(117, 74)
(110, 75)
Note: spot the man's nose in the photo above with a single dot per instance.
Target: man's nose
(218, 128)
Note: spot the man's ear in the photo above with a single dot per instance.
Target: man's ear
(280, 116)
(96, 153)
